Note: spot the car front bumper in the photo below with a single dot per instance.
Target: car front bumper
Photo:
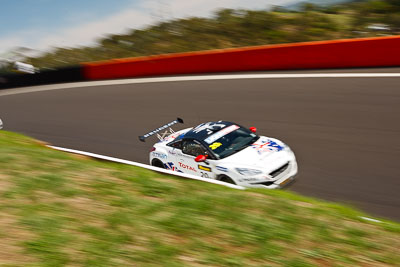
(286, 178)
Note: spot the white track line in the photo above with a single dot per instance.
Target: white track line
(123, 161)
(370, 219)
(194, 78)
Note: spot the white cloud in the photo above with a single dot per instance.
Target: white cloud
(9, 42)
(135, 17)
(77, 35)
(88, 33)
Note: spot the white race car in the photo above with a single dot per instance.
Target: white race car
(224, 151)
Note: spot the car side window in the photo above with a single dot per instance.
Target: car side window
(176, 144)
(193, 148)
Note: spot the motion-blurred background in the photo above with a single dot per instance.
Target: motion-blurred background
(50, 35)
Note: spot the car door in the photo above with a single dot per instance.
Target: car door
(174, 150)
(186, 161)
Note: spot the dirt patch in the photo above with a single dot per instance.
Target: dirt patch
(5, 183)
(11, 237)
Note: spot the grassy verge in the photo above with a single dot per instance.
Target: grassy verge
(59, 209)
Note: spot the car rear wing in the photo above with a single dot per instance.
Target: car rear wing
(166, 127)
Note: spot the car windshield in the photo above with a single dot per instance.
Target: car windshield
(230, 140)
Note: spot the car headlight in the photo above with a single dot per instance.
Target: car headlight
(248, 172)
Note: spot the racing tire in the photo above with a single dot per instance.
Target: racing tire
(226, 179)
(157, 163)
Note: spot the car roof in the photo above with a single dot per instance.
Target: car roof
(204, 130)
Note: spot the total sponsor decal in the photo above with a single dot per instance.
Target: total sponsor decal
(171, 166)
(266, 145)
(187, 167)
(159, 155)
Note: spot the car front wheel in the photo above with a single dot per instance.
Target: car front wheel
(226, 179)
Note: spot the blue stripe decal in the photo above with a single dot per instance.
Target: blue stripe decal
(222, 169)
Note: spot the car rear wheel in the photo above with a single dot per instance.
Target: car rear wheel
(157, 163)
(226, 179)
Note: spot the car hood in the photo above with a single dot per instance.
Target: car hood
(265, 153)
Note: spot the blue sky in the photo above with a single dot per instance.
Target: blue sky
(52, 14)
(42, 24)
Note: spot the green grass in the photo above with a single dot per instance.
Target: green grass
(58, 209)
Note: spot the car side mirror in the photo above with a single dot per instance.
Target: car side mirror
(200, 158)
(253, 129)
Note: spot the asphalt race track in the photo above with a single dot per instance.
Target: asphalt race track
(345, 131)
